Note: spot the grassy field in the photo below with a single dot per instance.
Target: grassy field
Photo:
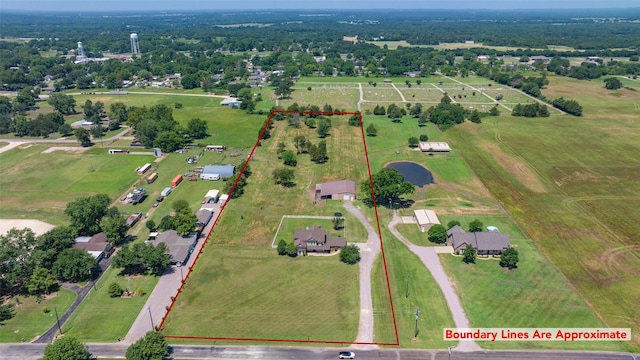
(344, 98)
(39, 185)
(381, 92)
(30, 321)
(251, 292)
(240, 268)
(100, 318)
(579, 218)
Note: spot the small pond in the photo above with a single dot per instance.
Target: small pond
(414, 173)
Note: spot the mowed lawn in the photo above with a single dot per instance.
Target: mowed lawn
(101, 318)
(581, 217)
(257, 293)
(38, 185)
(30, 320)
(251, 292)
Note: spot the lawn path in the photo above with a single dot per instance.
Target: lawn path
(399, 92)
(494, 100)
(361, 97)
(368, 254)
(430, 259)
(453, 101)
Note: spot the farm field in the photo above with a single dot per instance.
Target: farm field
(30, 320)
(579, 217)
(239, 253)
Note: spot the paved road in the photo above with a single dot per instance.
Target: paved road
(17, 142)
(81, 293)
(155, 308)
(430, 259)
(368, 255)
(35, 351)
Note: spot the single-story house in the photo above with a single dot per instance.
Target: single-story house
(336, 190)
(96, 245)
(82, 124)
(232, 102)
(180, 248)
(425, 219)
(431, 146)
(485, 242)
(204, 216)
(215, 172)
(315, 239)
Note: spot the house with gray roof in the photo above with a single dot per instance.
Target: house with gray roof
(314, 239)
(96, 245)
(336, 190)
(485, 242)
(180, 247)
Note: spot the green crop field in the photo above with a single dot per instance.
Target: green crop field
(575, 204)
(101, 318)
(30, 320)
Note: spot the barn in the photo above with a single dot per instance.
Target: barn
(215, 172)
(336, 190)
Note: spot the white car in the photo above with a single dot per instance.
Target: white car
(347, 355)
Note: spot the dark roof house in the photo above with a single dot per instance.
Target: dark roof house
(96, 245)
(336, 190)
(180, 248)
(315, 239)
(204, 216)
(485, 243)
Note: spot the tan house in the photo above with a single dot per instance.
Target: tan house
(314, 239)
(336, 190)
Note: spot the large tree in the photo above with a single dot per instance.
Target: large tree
(41, 282)
(66, 348)
(16, 247)
(139, 258)
(388, 185)
(612, 83)
(283, 176)
(469, 255)
(509, 258)
(115, 228)
(74, 265)
(184, 222)
(437, 234)
(197, 128)
(86, 213)
(151, 347)
(52, 243)
(476, 226)
(169, 141)
(65, 104)
(371, 130)
(350, 254)
(83, 136)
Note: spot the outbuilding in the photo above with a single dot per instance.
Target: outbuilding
(231, 102)
(215, 172)
(425, 219)
(336, 190)
(166, 192)
(431, 146)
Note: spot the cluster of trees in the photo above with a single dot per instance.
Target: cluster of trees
(184, 220)
(288, 249)
(569, 106)
(152, 346)
(239, 180)
(530, 110)
(141, 258)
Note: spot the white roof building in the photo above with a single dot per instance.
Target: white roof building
(425, 218)
(432, 146)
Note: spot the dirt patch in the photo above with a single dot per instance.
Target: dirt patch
(516, 168)
(71, 149)
(38, 227)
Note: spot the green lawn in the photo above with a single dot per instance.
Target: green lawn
(30, 321)
(579, 216)
(533, 295)
(344, 98)
(38, 185)
(100, 318)
(353, 230)
(251, 292)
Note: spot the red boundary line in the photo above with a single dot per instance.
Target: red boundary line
(375, 207)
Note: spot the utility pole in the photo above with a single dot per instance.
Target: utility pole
(406, 296)
(151, 318)
(181, 275)
(415, 333)
(58, 320)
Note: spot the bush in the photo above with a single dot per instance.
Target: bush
(140, 292)
(350, 254)
(46, 310)
(424, 137)
(115, 290)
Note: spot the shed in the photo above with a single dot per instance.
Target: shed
(430, 146)
(222, 171)
(212, 195)
(232, 102)
(223, 198)
(425, 219)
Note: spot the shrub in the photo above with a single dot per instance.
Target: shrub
(115, 290)
(350, 254)
(46, 310)
(140, 292)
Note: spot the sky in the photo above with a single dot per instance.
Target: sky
(160, 5)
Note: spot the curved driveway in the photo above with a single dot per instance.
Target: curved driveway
(430, 259)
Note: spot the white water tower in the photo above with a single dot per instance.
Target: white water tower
(135, 48)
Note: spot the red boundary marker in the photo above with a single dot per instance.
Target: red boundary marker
(375, 207)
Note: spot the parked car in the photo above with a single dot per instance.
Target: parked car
(156, 204)
(347, 355)
(160, 199)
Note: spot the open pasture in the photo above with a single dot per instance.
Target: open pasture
(344, 98)
(425, 93)
(39, 185)
(380, 93)
(251, 292)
